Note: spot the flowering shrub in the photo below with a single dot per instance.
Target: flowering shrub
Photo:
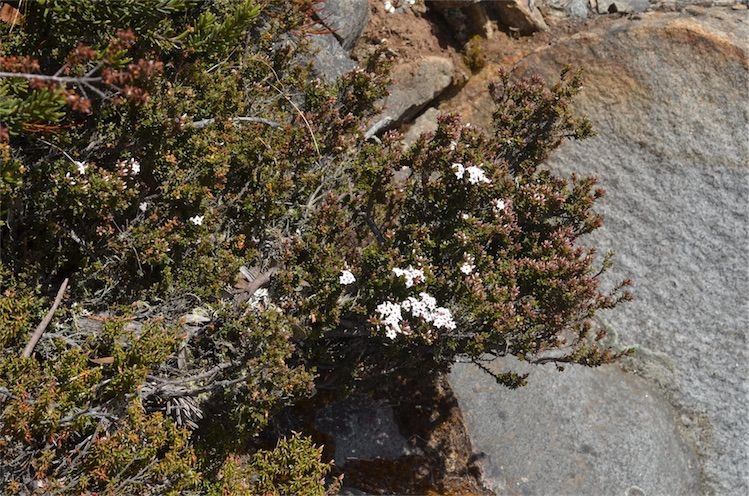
(234, 244)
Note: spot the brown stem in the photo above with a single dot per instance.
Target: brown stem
(45, 322)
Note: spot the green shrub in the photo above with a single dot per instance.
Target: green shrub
(473, 54)
(235, 244)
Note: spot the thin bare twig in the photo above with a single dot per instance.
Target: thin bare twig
(45, 322)
(57, 79)
(259, 120)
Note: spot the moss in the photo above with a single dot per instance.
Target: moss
(474, 55)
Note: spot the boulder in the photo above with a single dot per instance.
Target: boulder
(578, 9)
(415, 85)
(345, 18)
(330, 60)
(583, 432)
(520, 15)
(362, 429)
(622, 6)
(667, 97)
(425, 123)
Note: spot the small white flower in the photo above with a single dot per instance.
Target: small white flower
(143, 206)
(476, 175)
(134, 167)
(467, 266)
(81, 167)
(499, 205)
(443, 318)
(465, 216)
(459, 170)
(453, 146)
(412, 275)
(390, 314)
(346, 277)
(197, 220)
(389, 7)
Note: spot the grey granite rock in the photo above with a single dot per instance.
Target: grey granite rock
(330, 60)
(425, 123)
(520, 15)
(581, 432)
(622, 6)
(569, 8)
(345, 18)
(362, 429)
(415, 85)
(667, 95)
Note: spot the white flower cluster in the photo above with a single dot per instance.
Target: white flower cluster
(132, 166)
(390, 314)
(424, 308)
(499, 205)
(412, 275)
(467, 266)
(346, 277)
(475, 174)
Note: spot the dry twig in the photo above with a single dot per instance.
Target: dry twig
(45, 322)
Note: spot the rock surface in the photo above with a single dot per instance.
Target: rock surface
(581, 432)
(667, 97)
(622, 6)
(330, 60)
(345, 18)
(522, 15)
(425, 123)
(363, 429)
(415, 85)
(570, 8)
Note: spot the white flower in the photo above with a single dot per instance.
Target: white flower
(143, 206)
(346, 277)
(412, 275)
(424, 308)
(476, 175)
(443, 318)
(459, 170)
(197, 220)
(453, 145)
(389, 7)
(390, 314)
(81, 167)
(134, 167)
(499, 205)
(467, 266)
(465, 216)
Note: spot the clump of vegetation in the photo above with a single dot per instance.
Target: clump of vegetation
(473, 54)
(234, 244)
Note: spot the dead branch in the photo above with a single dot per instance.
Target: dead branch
(259, 120)
(45, 322)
